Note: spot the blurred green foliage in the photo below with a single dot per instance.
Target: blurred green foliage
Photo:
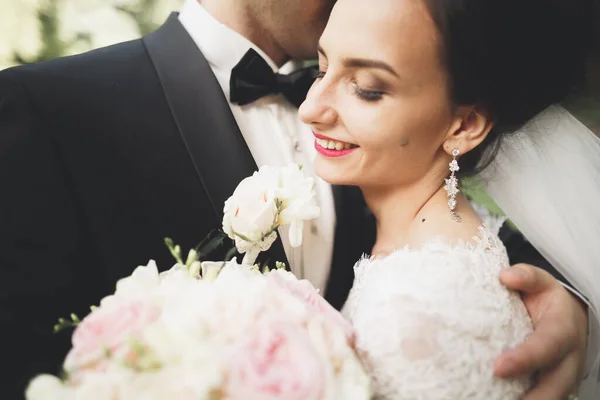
(141, 11)
(52, 44)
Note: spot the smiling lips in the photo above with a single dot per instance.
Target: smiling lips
(332, 148)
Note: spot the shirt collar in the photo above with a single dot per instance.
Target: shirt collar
(222, 47)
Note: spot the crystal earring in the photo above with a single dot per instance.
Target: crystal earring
(452, 185)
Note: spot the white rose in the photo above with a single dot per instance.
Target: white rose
(250, 214)
(48, 387)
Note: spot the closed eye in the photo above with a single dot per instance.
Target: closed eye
(367, 95)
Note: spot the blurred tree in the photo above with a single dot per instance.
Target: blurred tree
(142, 12)
(52, 44)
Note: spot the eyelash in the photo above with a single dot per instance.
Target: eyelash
(366, 95)
(320, 75)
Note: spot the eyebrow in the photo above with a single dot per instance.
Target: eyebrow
(363, 63)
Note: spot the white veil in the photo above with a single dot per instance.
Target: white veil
(546, 178)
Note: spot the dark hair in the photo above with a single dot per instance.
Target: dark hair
(512, 58)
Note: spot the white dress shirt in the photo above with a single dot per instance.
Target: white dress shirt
(274, 134)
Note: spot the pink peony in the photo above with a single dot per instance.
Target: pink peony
(106, 330)
(316, 304)
(275, 361)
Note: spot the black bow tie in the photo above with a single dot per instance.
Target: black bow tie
(252, 78)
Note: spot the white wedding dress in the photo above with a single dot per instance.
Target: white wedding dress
(430, 322)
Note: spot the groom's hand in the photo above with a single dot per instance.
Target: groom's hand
(556, 349)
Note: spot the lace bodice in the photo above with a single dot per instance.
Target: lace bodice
(430, 322)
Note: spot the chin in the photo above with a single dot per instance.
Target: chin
(333, 173)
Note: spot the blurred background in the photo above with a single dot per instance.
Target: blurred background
(38, 30)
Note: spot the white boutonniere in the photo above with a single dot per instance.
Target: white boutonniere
(270, 199)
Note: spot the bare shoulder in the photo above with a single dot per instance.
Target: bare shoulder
(435, 221)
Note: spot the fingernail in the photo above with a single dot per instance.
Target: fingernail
(507, 367)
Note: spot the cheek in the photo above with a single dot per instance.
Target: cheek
(379, 128)
(395, 137)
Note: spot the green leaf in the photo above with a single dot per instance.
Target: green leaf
(206, 240)
(211, 244)
(232, 252)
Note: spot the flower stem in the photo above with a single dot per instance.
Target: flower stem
(250, 256)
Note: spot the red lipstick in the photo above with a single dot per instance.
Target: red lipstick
(331, 152)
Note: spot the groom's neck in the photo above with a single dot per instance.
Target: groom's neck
(239, 16)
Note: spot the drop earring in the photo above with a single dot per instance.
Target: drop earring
(452, 185)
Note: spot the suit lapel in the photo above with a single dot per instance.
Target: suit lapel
(202, 114)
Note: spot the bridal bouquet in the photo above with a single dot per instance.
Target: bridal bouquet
(213, 330)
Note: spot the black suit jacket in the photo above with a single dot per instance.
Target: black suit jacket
(102, 155)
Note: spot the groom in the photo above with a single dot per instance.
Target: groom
(102, 155)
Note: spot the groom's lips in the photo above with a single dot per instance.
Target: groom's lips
(322, 143)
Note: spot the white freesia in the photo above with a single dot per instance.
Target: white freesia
(269, 199)
(298, 196)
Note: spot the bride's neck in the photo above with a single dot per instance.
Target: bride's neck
(397, 208)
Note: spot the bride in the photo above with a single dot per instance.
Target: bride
(413, 95)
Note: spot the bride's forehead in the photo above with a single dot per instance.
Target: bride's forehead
(399, 31)
(382, 12)
(396, 22)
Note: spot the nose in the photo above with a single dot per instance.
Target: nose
(318, 108)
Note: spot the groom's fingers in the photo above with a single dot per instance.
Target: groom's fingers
(553, 346)
(542, 349)
(547, 302)
(527, 279)
(557, 383)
